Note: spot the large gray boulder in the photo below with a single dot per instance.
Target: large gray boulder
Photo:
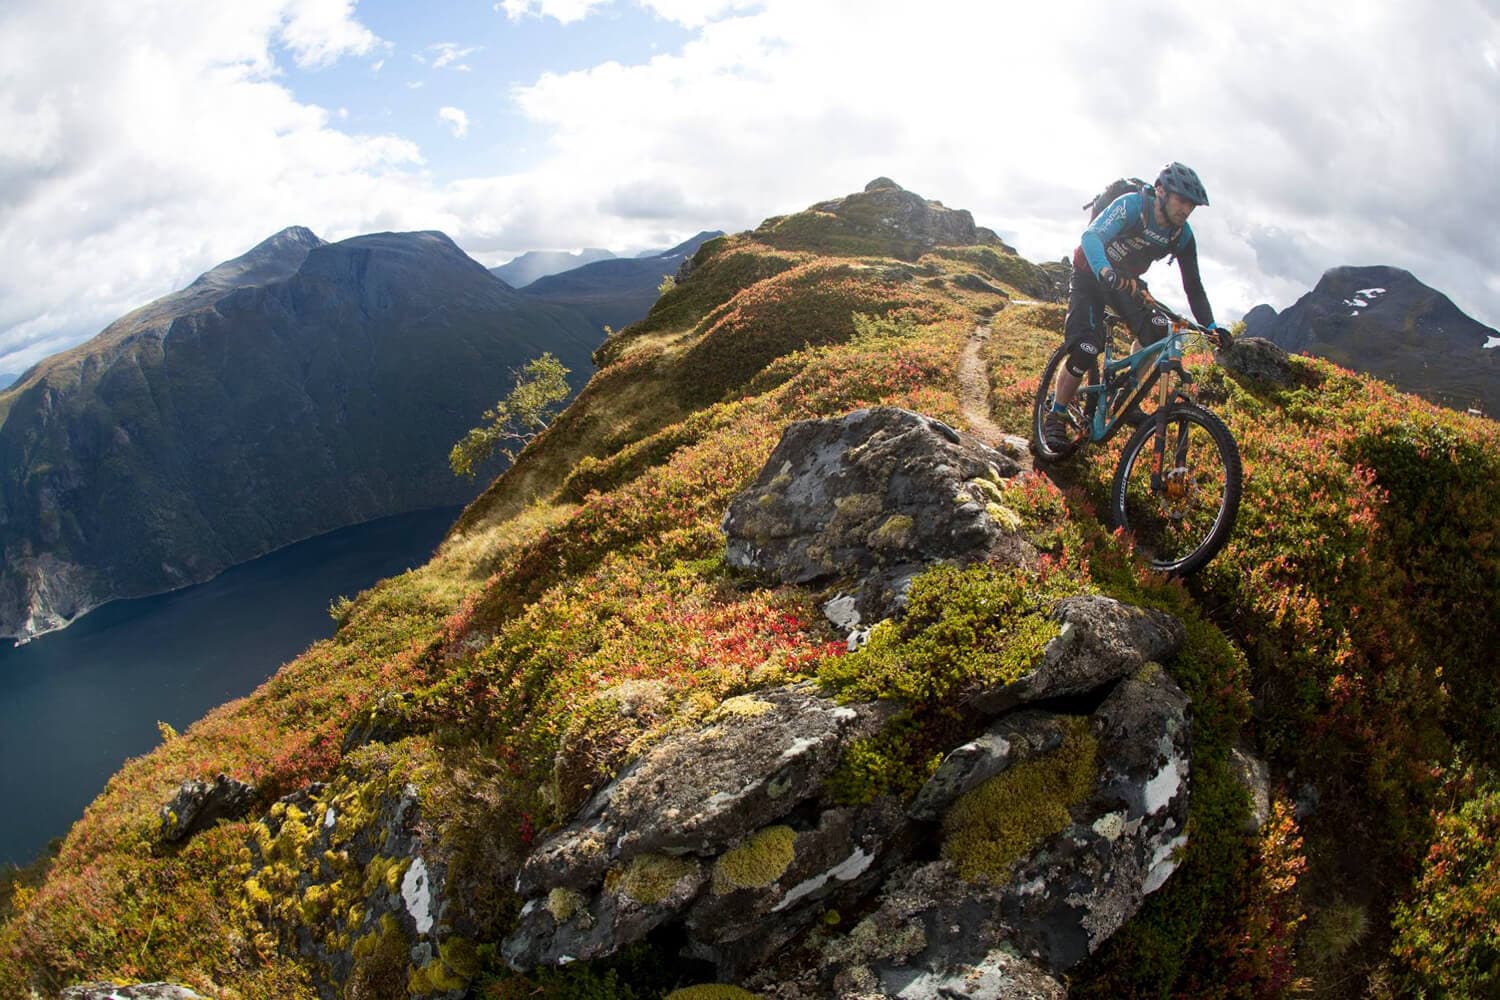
(868, 500)
(640, 851)
(1260, 360)
(1102, 640)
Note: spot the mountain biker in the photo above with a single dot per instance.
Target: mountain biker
(1136, 230)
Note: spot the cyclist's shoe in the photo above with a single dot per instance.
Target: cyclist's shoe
(1058, 431)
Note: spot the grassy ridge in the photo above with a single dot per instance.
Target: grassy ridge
(580, 610)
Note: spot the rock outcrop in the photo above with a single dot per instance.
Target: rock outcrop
(730, 832)
(199, 804)
(141, 991)
(884, 218)
(869, 499)
(1260, 360)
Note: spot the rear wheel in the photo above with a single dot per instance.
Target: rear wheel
(1080, 413)
(1182, 523)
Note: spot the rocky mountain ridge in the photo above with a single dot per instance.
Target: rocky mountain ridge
(618, 291)
(534, 264)
(761, 674)
(1385, 322)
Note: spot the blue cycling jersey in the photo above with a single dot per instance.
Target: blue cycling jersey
(1127, 237)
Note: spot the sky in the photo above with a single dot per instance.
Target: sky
(145, 142)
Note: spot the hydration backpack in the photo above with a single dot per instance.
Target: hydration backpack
(1125, 185)
(1105, 198)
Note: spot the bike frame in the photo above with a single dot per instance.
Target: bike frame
(1164, 357)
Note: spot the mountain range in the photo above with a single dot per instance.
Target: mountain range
(617, 291)
(1385, 322)
(773, 667)
(534, 264)
(296, 389)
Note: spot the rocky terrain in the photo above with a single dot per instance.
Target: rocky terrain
(771, 670)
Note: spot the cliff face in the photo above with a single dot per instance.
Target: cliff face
(297, 389)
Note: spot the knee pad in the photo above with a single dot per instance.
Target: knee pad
(1083, 357)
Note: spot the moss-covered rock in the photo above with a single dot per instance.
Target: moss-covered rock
(761, 859)
(996, 824)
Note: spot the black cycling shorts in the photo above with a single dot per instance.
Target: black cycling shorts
(1084, 328)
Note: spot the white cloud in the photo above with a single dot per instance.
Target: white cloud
(320, 31)
(566, 11)
(144, 143)
(132, 164)
(1310, 123)
(446, 55)
(456, 120)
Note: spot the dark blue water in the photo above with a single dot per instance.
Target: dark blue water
(75, 704)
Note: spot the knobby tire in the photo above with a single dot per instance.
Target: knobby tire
(1156, 519)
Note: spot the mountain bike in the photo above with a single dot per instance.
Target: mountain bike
(1177, 486)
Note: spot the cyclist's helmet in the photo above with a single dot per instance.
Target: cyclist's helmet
(1176, 178)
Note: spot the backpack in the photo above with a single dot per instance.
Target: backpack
(1105, 198)
(1124, 185)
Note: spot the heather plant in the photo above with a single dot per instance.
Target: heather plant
(1447, 932)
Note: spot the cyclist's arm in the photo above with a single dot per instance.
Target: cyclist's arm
(1110, 224)
(1192, 282)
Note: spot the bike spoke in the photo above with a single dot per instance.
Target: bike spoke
(1173, 521)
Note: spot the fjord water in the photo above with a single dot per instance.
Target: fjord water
(75, 704)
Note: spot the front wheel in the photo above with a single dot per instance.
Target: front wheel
(1183, 519)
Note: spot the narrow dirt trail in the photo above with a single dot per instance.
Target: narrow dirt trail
(974, 401)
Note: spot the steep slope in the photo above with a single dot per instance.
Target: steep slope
(583, 621)
(1384, 322)
(296, 389)
(616, 292)
(536, 264)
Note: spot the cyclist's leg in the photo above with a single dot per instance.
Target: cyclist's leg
(1084, 332)
(1147, 326)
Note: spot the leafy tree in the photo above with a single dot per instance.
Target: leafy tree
(539, 389)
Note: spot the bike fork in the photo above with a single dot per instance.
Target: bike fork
(1159, 448)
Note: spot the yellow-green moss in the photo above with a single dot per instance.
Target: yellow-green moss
(1004, 517)
(745, 705)
(762, 859)
(564, 904)
(996, 824)
(893, 533)
(711, 991)
(650, 878)
(381, 961)
(456, 964)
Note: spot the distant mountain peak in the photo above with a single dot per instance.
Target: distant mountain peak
(884, 218)
(534, 264)
(272, 259)
(1385, 321)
